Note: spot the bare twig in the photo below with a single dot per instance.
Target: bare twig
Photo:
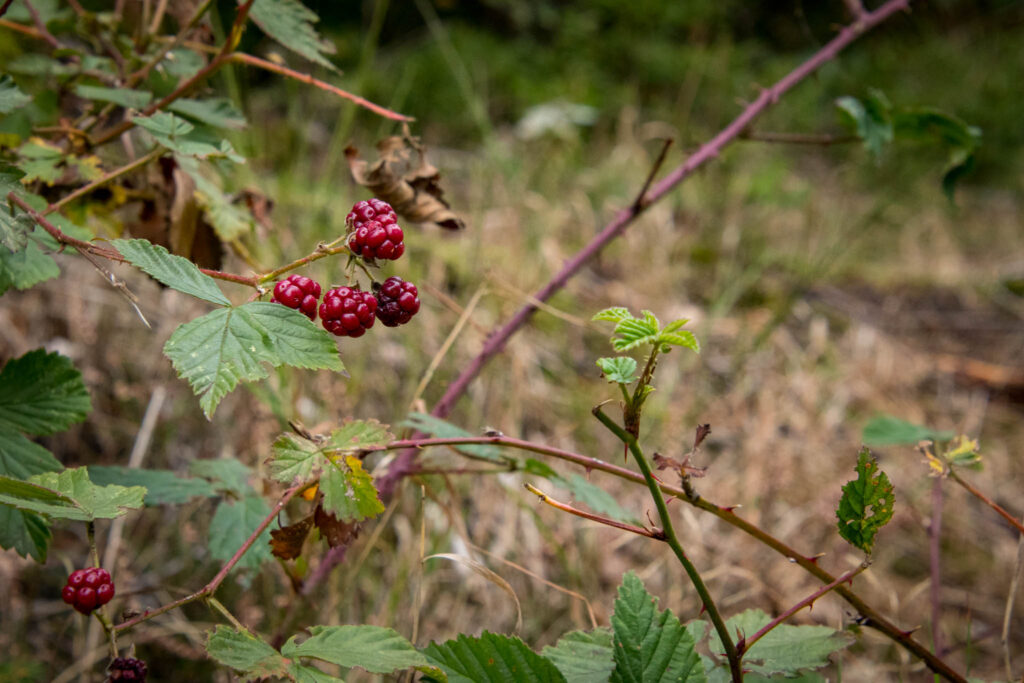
(657, 535)
(1008, 611)
(3, 8)
(41, 26)
(641, 196)
(1014, 522)
(935, 564)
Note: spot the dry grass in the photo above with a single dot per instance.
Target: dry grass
(800, 299)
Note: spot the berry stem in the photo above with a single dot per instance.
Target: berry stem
(109, 629)
(322, 251)
(90, 531)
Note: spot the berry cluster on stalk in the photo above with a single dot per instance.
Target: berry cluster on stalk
(88, 589)
(127, 669)
(349, 311)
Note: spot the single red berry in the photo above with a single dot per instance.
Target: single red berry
(397, 302)
(68, 594)
(85, 601)
(374, 231)
(105, 593)
(127, 669)
(77, 578)
(348, 312)
(298, 292)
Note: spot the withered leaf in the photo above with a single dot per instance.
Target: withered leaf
(702, 433)
(287, 541)
(334, 530)
(404, 178)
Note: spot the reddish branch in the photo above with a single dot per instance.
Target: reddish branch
(405, 463)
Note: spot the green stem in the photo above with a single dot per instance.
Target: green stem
(90, 530)
(673, 541)
(217, 605)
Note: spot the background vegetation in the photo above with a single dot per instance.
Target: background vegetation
(825, 285)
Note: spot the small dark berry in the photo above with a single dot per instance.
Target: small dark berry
(397, 302)
(374, 231)
(68, 594)
(105, 593)
(298, 292)
(348, 312)
(85, 601)
(127, 669)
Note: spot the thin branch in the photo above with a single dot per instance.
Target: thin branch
(935, 564)
(623, 219)
(727, 514)
(607, 521)
(106, 178)
(744, 644)
(317, 83)
(196, 17)
(41, 26)
(641, 196)
(1014, 522)
(799, 138)
(3, 8)
(209, 589)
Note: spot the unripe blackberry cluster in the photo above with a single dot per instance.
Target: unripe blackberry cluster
(298, 292)
(88, 589)
(350, 311)
(126, 669)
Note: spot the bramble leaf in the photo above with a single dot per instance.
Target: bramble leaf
(219, 112)
(25, 268)
(650, 645)
(177, 272)
(226, 474)
(124, 97)
(885, 430)
(232, 524)
(632, 332)
(614, 315)
(298, 460)
(15, 227)
(490, 658)
(40, 160)
(349, 493)
(583, 656)
(69, 495)
(24, 532)
(163, 487)
(870, 120)
(290, 23)
(11, 97)
(245, 653)
(358, 435)
(41, 393)
(373, 648)
(217, 351)
(621, 370)
(684, 338)
(181, 137)
(786, 649)
(866, 504)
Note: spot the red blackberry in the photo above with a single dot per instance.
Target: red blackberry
(126, 669)
(298, 292)
(88, 589)
(397, 302)
(374, 231)
(348, 312)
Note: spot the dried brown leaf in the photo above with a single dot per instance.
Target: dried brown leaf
(404, 178)
(335, 531)
(287, 541)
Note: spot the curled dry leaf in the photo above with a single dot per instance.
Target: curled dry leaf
(335, 531)
(287, 541)
(404, 178)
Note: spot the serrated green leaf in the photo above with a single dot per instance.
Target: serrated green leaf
(349, 493)
(229, 220)
(491, 658)
(219, 112)
(354, 436)
(633, 332)
(373, 648)
(15, 227)
(232, 524)
(40, 160)
(245, 653)
(177, 272)
(11, 97)
(42, 393)
(217, 351)
(583, 656)
(684, 338)
(296, 460)
(786, 649)
(69, 495)
(21, 458)
(302, 673)
(227, 474)
(615, 314)
(124, 97)
(621, 370)
(25, 533)
(650, 645)
(866, 504)
(674, 325)
(885, 430)
(870, 120)
(446, 430)
(181, 137)
(163, 487)
(290, 23)
(25, 268)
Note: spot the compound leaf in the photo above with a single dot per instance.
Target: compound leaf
(217, 351)
(245, 653)
(163, 487)
(290, 23)
(650, 645)
(42, 393)
(491, 658)
(373, 648)
(866, 504)
(296, 460)
(583, 656)
(232, 524)
(786, 649)
(177, 272)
